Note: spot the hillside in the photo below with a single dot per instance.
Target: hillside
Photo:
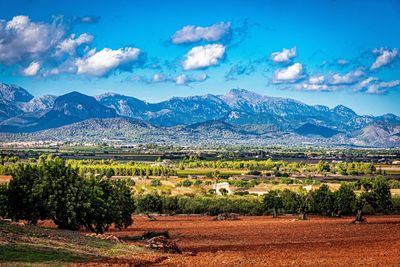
(26, 244)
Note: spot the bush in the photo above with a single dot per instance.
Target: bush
(198, 182)
(185, 183)
(394, 184)
(155, 182)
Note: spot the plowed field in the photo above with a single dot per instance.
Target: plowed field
(263, 241)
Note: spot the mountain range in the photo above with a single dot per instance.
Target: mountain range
(237, 117)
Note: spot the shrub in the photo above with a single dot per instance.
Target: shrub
(394, 184)
(155, 182)
(198, 182)
(185, 183)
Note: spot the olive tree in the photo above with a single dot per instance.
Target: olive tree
(273, 201)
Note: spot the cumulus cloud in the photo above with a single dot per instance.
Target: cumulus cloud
(284, 56)
(314, 83)
(290, 74)
(32, 69)
(364, 83)
(103, 62)
(70, 44)
(203, 56)
(184, 79)
(385, 57)
(382, 87)
(191, 33)
(318, 79)
(345, 79)
(23, 39)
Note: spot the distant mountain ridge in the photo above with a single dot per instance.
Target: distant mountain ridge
(239, 114)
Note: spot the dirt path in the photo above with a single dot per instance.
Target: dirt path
(263, 241)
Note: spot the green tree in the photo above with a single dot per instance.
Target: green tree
(377, 195)
(323, 200)
(304, 204)
(3, 200)
(149, 203)
(273, 201)
(345, 199)
(25, 201)
(63, 192)
(289, 199)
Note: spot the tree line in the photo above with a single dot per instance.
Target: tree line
(375, 197)
(322, 167)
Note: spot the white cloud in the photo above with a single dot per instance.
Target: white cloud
(364, 83)
(342, 61)
(158, 78)
(32, 69)
(314, 83)
(70, 44)
(382, 87)
(203, 56)
(292, 73)
(385, 57)
(184, 79)
(190, 33)
(23, 39)
(348, 78)
(314, 87)
(285, 56)
(319, 79)
(106, 60)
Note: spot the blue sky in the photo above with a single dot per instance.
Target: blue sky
(318, 52)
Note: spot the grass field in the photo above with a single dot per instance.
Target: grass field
(23, 245)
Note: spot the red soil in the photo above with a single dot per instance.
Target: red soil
(263, 241)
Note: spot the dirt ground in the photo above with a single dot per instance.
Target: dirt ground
(263, 241)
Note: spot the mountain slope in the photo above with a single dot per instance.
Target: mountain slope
(11, 97)
(239, 116)
(69, 108)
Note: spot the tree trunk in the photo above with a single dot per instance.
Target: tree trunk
(359, 217)
(303, 216)
(274, 214)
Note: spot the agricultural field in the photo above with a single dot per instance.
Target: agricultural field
(196, 212)
(283, 241)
